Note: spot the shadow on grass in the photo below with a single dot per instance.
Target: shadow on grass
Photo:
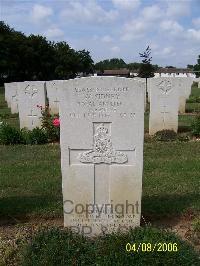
(24, 206)
(169, 205)
(184, 129)
(153, 206)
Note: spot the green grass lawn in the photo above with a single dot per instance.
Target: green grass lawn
(195, 91)
(191, 105)
(30, 180)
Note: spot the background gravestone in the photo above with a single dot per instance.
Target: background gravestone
(11, 96)
(52, 94)
(164, 103)
(102, 128)
(185, 85)
(14, 98)
(7, 91)
(31, 94)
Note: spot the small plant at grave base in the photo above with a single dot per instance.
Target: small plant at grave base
(35, 136)
(9, 135)
(195, 126)
(183, 138)
(165, 135)
(50, 123)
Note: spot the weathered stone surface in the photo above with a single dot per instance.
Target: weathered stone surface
(31, 96)
(11, 96)
(52, 94)
(102, 128)
(185, 85)
(164, 103)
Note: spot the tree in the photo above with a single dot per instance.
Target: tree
(40, 58)
(197, 67)
(11, 43)
(146, 69)
(113, 63)
(35, 58)
(170, 67)
(85, 62)
(190, 67)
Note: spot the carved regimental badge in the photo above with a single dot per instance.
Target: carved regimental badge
(102, 152)
(165, 86)
(31, 90)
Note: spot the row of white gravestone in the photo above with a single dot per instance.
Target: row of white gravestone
(167, 98)
(27, 97)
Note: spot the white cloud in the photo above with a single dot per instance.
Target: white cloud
(126, 4)
(151, 13)
(40, 12)
(115, 49)
(178, 8)
(171, 26)
(196, 22)
(166, 52)
(193, 35)
(107, 39)
(54, 33)
(88, 12)
(133, 30)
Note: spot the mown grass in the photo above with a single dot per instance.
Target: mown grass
(191, 105)
(30, 180)
(60, 247)
(171, 182)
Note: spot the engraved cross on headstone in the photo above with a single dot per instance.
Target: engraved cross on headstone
(164, 112)
(56, 101)
(103, 156)
(32, 116)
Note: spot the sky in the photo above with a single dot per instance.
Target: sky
(114, 28)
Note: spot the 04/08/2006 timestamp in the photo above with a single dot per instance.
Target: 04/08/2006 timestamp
(151, 247)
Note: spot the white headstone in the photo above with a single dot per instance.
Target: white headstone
(7, 98)
(185, 85)
(102, 129)
(11, 96)
(164, 103)
(52, 94)
(31, 95)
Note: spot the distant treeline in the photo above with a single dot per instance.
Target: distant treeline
(116, 63)
(33, 57)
